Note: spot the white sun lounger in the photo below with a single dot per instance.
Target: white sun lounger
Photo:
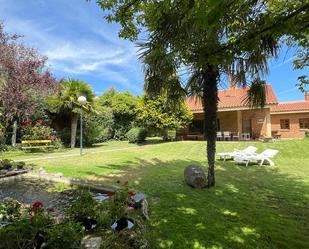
(249, 150)
(262, 157)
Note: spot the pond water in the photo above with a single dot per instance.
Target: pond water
(54, 195)
(29, 190)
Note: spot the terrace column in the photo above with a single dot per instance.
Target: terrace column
(239, 122)
(268, 123)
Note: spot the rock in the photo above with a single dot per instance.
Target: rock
(92, 242)
(58, 175)
(195, 176)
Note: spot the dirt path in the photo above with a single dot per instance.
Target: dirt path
(72, 154)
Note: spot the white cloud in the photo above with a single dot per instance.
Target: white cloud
(285, 61)
(100, 54)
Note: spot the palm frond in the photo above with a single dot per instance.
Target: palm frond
(256, 95)
(160, 69)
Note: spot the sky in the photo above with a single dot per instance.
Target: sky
(79, 43)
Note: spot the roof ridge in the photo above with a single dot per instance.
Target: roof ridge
(292, 102)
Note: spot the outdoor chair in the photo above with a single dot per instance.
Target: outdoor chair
(235, 136)
(219, 136)
(262, 157)
(245, 136)
(248, 151)
(226, 135)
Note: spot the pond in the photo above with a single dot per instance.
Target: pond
(29, 190)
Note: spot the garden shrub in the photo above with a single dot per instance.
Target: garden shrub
(2, 140)
(23, 233)
(136, 135)
(83, 205)
(38, 131)
(19, 234)
(169, 135)
(6, 164)
(66, 235)
(10, 210)
(307, 133)
(129, 239)
(9, 164)
(34, 228)
(65, 136)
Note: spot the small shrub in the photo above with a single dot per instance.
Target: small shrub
(2, 141)
(307, 133)
(64, 236)
(19, 234)
(65, 136)
(10, 210)
(38, 131)
(136, 135)
(84, 205)
(23, 233)
(20, 165)
(6, 164)
(120, 133)
(129, 239)
(169, 135)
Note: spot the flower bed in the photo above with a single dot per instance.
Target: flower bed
(116, 216)
(10, 168)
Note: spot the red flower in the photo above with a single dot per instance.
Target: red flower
(110, 194)
(37, 204)
(131, 203)
(131, 193)
(50, 209)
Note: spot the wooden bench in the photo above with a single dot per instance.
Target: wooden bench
(36, 144)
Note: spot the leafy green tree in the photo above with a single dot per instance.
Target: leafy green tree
(209, 38)
(124, 109)
(106, 98)
(66, 101)
(98, 125)
(158, 114)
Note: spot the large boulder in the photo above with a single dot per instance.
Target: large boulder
(195, 176)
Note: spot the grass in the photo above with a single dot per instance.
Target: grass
(253, 207)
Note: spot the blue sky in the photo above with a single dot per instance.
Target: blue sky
(81, 44)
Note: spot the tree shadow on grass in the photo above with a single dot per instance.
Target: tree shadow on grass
(250, 207)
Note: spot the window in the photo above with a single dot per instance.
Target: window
(304, 123)
(218, 125)
(285, 124)
(197, 126)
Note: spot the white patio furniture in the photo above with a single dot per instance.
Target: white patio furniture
(266, 155)
(247, 151)
(235, 136)
(227, 136)
(219, 136)
(245, 136)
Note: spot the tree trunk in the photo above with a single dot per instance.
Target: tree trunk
(74, 121)
(14, 134)
(210, 106)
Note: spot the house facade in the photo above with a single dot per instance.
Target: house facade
(237, 118)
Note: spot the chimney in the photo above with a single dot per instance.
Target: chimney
(307, 95)
(232, 80)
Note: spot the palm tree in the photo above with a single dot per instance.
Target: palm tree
(162, 77)
(66, 101)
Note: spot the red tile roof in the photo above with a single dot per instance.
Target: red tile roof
(290, 107)
(238, 100)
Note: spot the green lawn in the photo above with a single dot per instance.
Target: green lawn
(253, 207)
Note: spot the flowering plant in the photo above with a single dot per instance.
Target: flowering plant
(122, 201)
(38, 208)
(38, 130)
(37, 204)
